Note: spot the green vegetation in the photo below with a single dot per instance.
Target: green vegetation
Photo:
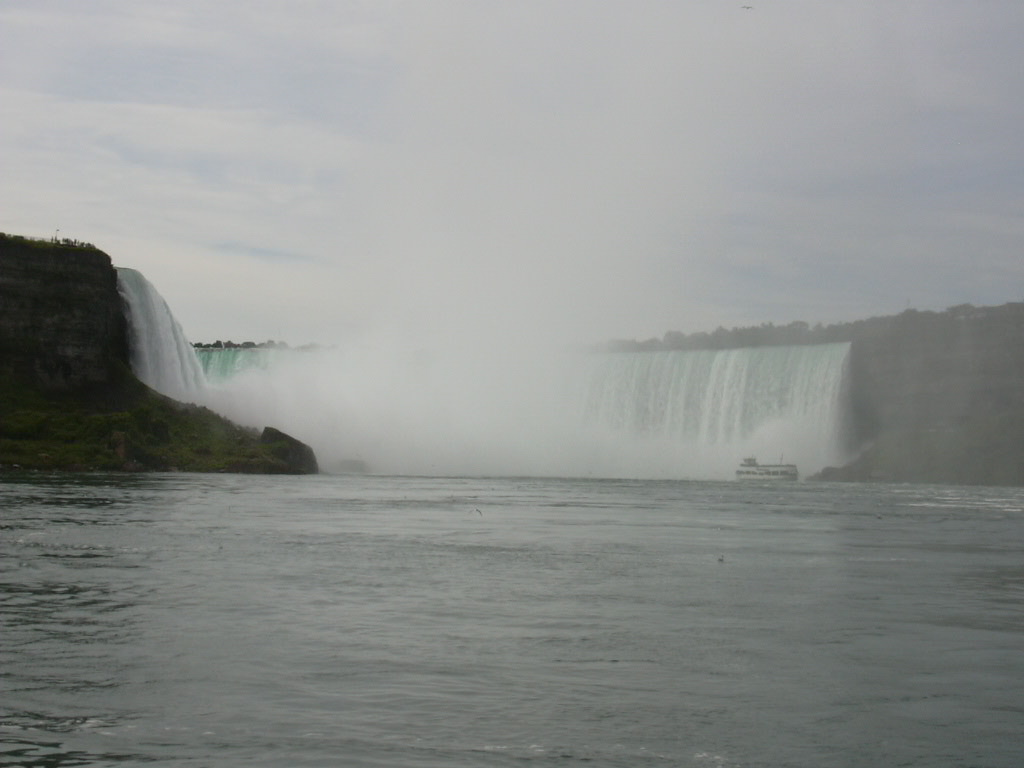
(124, 427)
(47, 244)
(951, 321)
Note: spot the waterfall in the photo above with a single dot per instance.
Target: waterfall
(161, 356)
(220, 364)
(692, 414)
(713, 406)
(647, 414)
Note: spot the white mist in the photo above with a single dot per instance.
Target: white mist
(454, 408)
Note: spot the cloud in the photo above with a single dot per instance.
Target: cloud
(569, 171)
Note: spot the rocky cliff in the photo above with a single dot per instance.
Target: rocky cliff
(68, 399)
(61, 321)
(938, 397)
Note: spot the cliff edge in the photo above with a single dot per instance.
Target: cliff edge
(938, 397)
(62, 326)
(68, 398)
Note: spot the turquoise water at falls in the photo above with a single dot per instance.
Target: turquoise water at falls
(222, 363)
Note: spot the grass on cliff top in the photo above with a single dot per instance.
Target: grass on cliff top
(46, 244)
(126, 427)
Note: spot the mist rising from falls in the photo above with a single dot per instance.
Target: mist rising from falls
(657, 415)
(161, 356)
(489, 411)
(406, 411)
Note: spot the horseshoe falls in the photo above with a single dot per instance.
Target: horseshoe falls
(691, 415)
(702, 411)
(220, 364)
(402, 410)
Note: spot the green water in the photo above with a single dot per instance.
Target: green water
(222, 620)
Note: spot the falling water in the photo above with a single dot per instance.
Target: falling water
(222, 363)
(669, 414)
(161, 356)
(707, 408)
(400, 410)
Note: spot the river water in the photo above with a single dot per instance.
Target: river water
(225, 620)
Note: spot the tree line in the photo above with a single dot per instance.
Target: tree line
(800, 333)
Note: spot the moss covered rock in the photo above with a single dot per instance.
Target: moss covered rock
(128, 427)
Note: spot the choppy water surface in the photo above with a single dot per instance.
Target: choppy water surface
(249, 621)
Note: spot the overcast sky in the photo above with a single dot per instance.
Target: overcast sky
(578, 169)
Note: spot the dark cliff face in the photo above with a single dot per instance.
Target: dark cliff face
(293, 453)
(941, 370)
(939, 397)
(62, 324)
